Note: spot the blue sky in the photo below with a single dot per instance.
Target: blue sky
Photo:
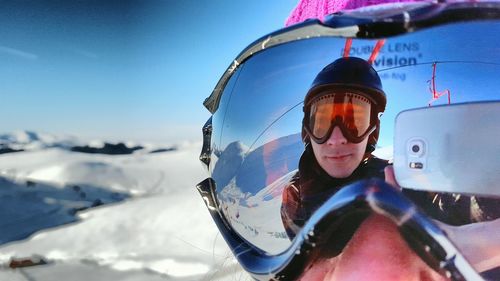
(122, 70)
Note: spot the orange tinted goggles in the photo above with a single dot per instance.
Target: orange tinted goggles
(350, 111)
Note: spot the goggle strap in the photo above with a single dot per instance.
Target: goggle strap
(376, 50)
(348, 94)
(347, 48)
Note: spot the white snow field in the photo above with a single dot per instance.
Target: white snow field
(153, 225)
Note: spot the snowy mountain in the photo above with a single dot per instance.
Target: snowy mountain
(28, 140)
(106, 217)
(256, 168)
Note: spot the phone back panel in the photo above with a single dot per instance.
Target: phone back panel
(452, 148)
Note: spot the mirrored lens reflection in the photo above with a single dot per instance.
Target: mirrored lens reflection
(350, 109)
(259, 150)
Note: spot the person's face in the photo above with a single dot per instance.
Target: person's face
(375, 252)
(338, 157)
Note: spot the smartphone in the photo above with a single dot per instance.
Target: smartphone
(450, 148)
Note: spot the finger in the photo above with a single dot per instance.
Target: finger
(390, 178)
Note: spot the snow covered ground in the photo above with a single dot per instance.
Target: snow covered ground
(152, 225)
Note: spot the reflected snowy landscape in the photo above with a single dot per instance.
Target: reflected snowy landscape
(99, 215)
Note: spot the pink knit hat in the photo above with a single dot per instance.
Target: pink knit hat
(307, 9)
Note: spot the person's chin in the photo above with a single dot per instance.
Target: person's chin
(339, 168)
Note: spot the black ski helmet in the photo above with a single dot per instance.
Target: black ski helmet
(355, 74)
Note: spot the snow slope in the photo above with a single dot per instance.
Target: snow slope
(161, 231)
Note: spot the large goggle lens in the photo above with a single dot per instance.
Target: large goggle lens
(255, 147)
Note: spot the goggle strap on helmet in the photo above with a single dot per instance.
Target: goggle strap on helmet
(378, 46)
(347, 48)
(376, 51)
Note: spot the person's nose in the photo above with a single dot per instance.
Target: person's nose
(376, 252)
(336, 137)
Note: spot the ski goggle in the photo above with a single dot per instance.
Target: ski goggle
(350, 111)
(253, 147)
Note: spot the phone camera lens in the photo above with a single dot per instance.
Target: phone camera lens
(415, 148)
